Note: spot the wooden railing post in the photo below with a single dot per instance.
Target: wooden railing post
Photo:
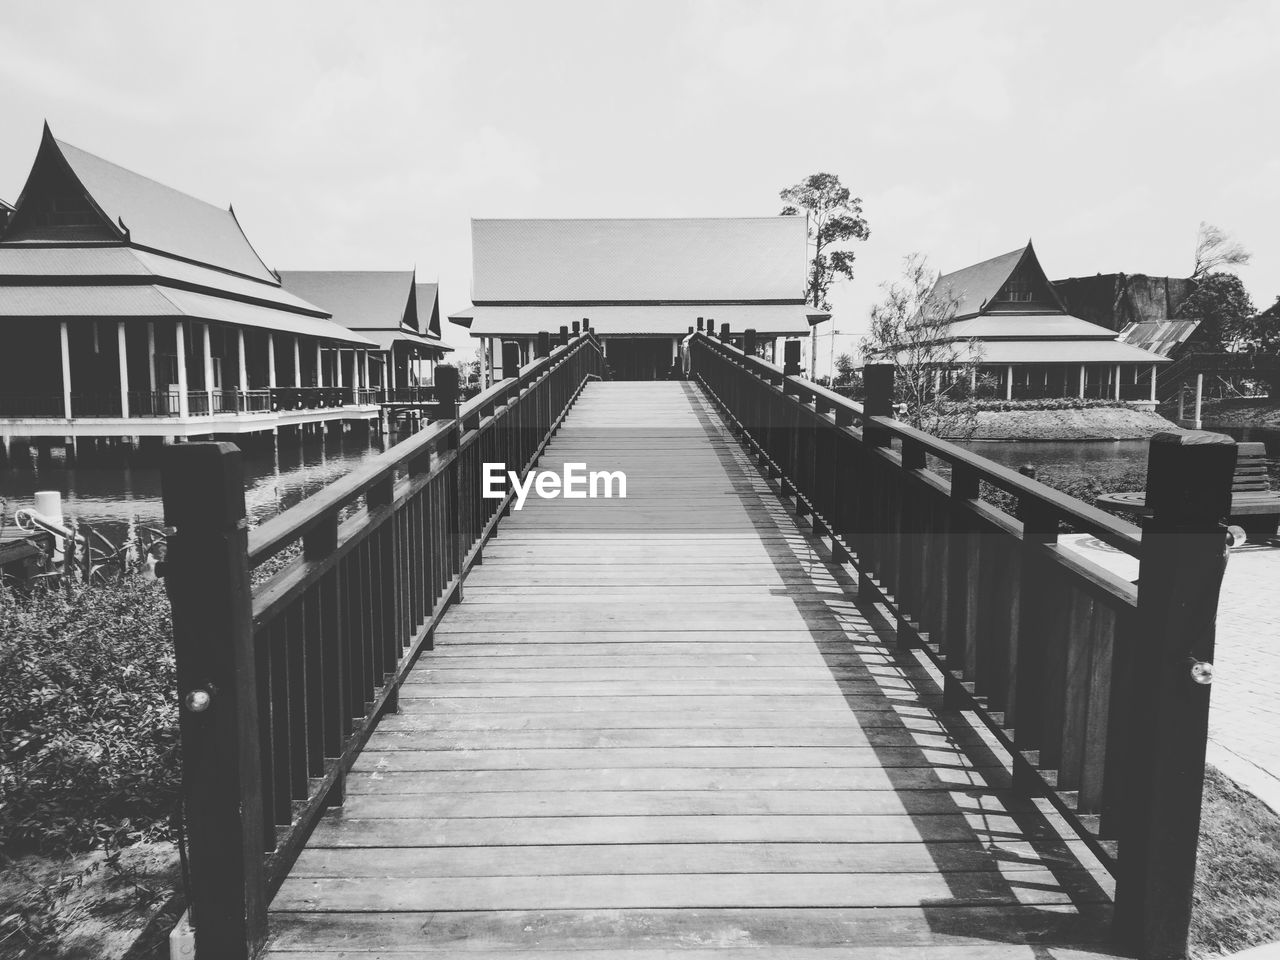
(791, 358)
(510, 359)
(207, 578)
(1182, 560)
(543, 349)
(724, 333)
(749, 343)
(564, 337)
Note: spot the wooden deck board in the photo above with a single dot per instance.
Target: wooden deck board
(661, 727)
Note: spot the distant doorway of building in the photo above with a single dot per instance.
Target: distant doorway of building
(639, 358)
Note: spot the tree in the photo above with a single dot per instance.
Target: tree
(910, 328)
(844, 368)
(1224, 309)
(1215, 250)
(835, 217)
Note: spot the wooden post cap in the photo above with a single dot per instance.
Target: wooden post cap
(699, 323)
(1189, 477)
(510, 359)
(447, 386)
(577, 328)
(544, 343)
(749, 342)
(791, 358)
(586, 324)
(724, 331)
(564, 335)
(877, 380)
(203, 485)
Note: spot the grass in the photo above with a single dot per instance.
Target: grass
(1237, 896)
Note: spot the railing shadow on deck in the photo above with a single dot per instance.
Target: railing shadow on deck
(995, 907)
(291, 640)
(1093, 684)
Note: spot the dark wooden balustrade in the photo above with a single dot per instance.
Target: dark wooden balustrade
(1084, 676)
(292, 639)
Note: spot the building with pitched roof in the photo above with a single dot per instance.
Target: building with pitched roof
(391, 308)
(1010, 323)
(641, 284)
(129, 308)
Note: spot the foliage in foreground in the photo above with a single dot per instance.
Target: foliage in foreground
(88, 717)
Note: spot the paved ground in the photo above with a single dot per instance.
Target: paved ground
(1244, 716)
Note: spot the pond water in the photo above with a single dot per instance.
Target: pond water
(113, 495)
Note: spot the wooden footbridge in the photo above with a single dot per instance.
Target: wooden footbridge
(797, 695)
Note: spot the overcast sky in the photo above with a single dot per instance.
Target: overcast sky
(365, 135)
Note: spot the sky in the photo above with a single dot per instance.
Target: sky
(365, 136)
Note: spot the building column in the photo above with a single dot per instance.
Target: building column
(319, 366)
(243, 382)
(1153, 383)
(1082, 380)
(1198, 423)
(208, 365)
(65, 336)
(122, 349)
(1008, 383)
(297, 361)
(271, 361)
(338, 380)
(364, 367)
(151, 355)
(1117, 384)
(180, 338)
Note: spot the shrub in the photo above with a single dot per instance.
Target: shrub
(88, 717)
(1044, 403)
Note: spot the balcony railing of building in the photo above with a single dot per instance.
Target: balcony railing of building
(1096, 685)
(168, 403)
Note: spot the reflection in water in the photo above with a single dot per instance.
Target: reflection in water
(114, 495)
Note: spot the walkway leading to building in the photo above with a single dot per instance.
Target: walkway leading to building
(662, 725)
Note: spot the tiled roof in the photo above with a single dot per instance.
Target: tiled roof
(1058, 351)
(143, 301)
(613, 261)
(163, 218)
(655, 319)
(358, 299)
(18, 262)
(974, 286)
(1159, 336)
(1025, 326)
(429, 309)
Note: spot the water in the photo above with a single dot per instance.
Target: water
(1103, 456)
(115, 496)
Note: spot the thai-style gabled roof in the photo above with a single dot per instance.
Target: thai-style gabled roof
(429, 309)
(973, 289)
(627, 261)
(359, 299)
(143, 212)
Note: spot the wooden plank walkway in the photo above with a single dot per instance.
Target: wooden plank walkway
(661, 726)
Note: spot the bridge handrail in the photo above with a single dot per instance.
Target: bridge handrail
(291, 640)
(1094, 683)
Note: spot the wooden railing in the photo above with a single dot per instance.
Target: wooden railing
(1096, 685)
(292, 639)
